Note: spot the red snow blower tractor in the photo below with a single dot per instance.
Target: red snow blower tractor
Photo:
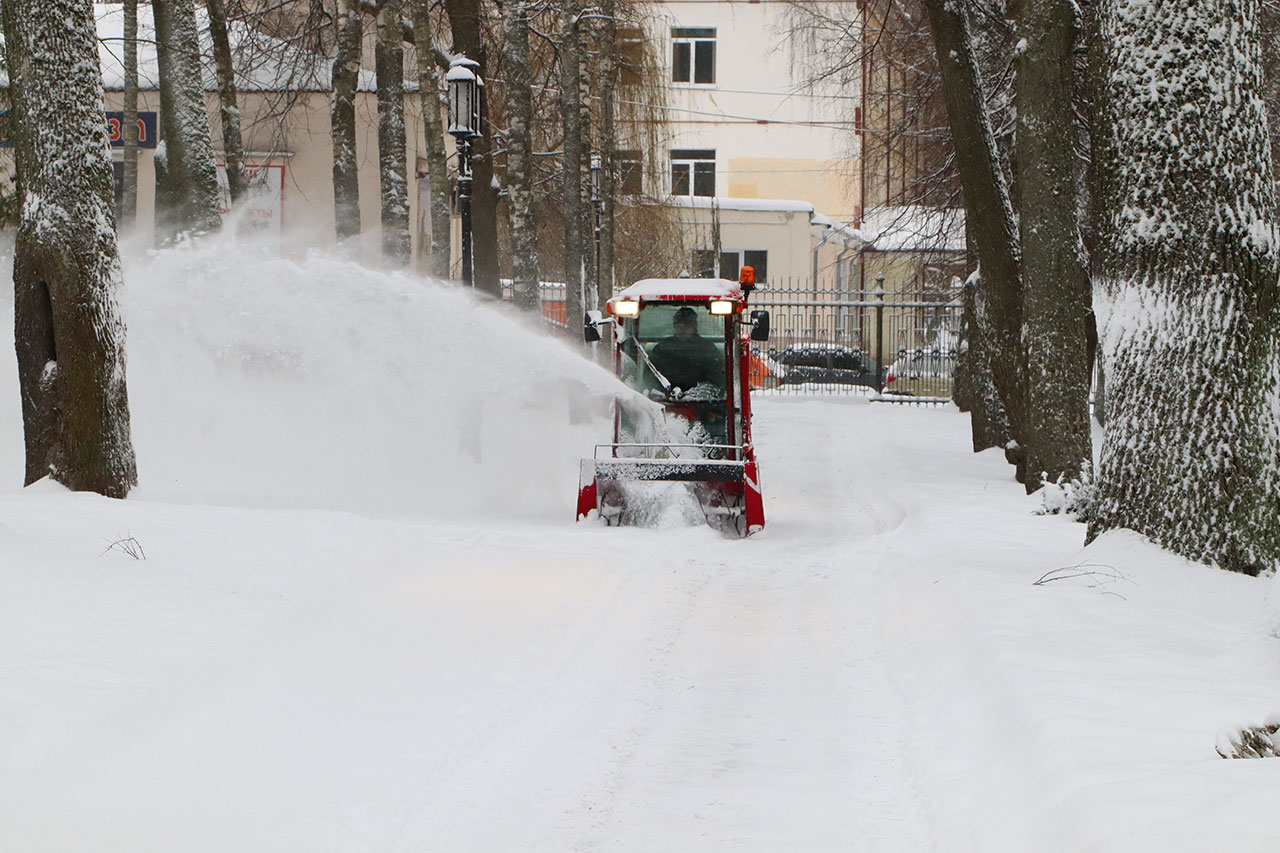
(683, 346)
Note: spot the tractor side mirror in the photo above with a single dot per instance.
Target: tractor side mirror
(760, 325)
(591, 323)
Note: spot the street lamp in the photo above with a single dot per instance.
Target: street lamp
(597, 208)
(464, 125)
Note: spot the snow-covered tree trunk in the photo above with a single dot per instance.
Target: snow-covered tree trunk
(608, 143)
(988, 425)
(129, 197)
(571, 160)
(520, 200)
(1057, 296)
(192, 171)
(228, 110)
(989, 211)
(437, 160)
(342, 122)
(69, 334)
(392, 168)
(1189, 292)
(465, 19)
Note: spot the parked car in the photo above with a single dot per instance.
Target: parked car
(922, 372)
(832, 364)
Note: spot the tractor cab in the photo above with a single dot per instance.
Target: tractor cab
(682, 344)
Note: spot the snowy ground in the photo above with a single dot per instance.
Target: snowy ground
(366, 621)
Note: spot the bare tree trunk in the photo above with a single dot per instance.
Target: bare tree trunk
(433, 127)
(590, 287)
(68, 331)
(232, 142)
(989, 210)
(1191, 454)
(571, 162)
(192, 171)
(988, 425)
(129, 199)
(392, 168)
(465, 18)
(1056, 287)
(608, 144)
(346, 76)
(520, 201)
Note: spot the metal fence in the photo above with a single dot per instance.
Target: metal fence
(828, 341)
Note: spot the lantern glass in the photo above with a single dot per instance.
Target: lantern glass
(463, 98)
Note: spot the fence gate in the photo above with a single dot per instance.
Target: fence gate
(828, 341)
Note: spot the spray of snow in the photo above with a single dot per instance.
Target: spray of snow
(365, 389)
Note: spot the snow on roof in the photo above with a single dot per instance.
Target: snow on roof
(841, 229)
(681, 288)
(262, 64)
(724, 203)
(914, 228)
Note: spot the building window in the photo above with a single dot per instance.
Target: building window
(693, 172)
(732, 262)
(704, 263)
(693, 55)
(630, 167)
(630, 56)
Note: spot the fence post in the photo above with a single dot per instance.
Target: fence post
(879, 295)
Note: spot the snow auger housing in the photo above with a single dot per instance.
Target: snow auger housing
(683, 344)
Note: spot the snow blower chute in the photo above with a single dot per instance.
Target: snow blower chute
(683, 344)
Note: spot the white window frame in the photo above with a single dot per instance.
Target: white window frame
(694, 39)
(689, 158)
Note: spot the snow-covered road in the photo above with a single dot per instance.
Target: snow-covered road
(350, 634)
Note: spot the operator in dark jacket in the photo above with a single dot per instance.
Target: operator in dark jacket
(686, 358)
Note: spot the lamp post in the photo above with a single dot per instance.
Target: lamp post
(464, 125)
(597, 209)
(879, 295)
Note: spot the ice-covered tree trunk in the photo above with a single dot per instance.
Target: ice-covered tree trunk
(571, 160)
(342, 121)
(192, 170)
(228, 110)
(520, 200)
(608, 143)
(437, 162)
(1188, 295)
(989, 212)
(129, 197)
(1057, 296)
(392, 170)
(465, 19)
(68, 331)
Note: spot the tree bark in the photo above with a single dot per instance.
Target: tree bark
(346, 77)
(608, 144)
(520, 200)
(465, 18)
(192, 171)
(437, 160)
(572, 156)
(392, 168)
(988, 425)
(1057, 296)
(129, 196)
(69, 334)
(1189, 291)
(989, 211)
(228, 110)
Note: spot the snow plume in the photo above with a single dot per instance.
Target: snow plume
(364, 389)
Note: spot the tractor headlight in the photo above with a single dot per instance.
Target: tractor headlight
(721, 306)
(626, 308)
